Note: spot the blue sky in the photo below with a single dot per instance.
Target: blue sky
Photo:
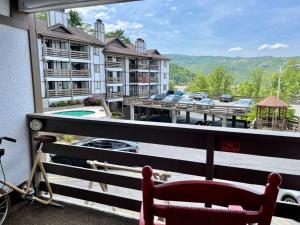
(207, 27)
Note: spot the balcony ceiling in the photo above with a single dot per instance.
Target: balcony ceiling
(44, 5)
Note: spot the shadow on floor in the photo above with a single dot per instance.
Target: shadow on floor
(36, 214)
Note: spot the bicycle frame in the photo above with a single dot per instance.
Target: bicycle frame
(28, 190)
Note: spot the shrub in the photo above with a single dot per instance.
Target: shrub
(117, 115)
(92, 102)
(68, 138)
(61, 103)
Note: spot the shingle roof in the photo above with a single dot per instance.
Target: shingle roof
(129, 49)
(272, 101)
(72, 33)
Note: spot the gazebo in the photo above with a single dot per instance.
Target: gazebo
(271, 113)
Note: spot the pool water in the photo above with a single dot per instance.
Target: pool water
(75, 113)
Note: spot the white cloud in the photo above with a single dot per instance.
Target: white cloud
(176, 31)
(174, 8)
(238, 9)
(124, 25)
(96, 12)
(149, 14)
(190, 13)
(235, 49)
(274, 46)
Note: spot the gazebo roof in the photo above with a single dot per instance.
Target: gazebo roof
(273, 102)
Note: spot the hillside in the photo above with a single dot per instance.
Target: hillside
(241, 67)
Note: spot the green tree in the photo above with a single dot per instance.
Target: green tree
(199, 83)
(119, 33)
(180, 74)
(220, 81)
(171, 85)
(41, 15)
(257, 76)
(74, 19)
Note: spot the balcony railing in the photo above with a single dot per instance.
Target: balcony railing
(229, 141)
(114, 95)
(115, 65)
(69, 92)
(57, 73)
(59, 93)
(143, 66)
(56, 52)
(81, 91)
(153, 92)
(81, 73)
(79, 55)
(114, 80)
(154, 79)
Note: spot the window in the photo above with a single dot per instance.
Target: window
(165, 87)
(165, 63)
(96, 68)
(96, 51)
(51, 85)
(97, 85)
(165, 75)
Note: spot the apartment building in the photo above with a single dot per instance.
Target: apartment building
(132, 70)
(71, 60)
(75, 65)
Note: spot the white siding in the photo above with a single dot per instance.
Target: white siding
(16, 101)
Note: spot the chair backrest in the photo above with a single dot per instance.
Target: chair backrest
(256, 208)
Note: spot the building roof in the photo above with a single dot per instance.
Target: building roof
(117, 46)
(273, 102)
(67, 33)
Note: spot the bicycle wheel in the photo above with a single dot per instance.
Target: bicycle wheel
(4, 205)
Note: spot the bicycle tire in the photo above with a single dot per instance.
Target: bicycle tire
(4, 205)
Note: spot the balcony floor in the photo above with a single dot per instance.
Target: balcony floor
(36, 214)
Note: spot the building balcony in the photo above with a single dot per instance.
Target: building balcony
(114, 80)
(116, 95)
(67, 73)
(153, 92)
(153, 79)
(81, 73)
(69, 92)
(143, 67)
(208, 144)
(113, 65)
(57, 73)
(55, 52)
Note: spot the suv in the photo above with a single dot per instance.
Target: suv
(200, 95)
(226, 98)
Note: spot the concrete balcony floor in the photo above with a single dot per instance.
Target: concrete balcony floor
(35, 214)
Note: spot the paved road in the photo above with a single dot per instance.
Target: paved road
(237, 160)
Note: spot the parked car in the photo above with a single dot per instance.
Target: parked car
(169, 92)
(170, 100)
(185, 102)
(200, 95)
(245, 102)
(289, 196)
(179, 93)
(226, 98)
(206, 102)
(188, 95)
(98, 143)
(157, 97)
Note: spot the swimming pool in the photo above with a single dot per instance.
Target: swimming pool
(75, 113)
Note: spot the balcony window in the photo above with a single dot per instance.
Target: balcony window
(97, 85)
(96, 68)
(96, 51)
(51, 85)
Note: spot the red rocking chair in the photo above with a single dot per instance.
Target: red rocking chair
(244, 206)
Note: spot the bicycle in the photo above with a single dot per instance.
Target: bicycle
(28, 190)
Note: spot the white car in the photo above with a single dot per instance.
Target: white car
(185, 102)
(200, 95)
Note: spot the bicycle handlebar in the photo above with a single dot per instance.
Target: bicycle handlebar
(8, 139)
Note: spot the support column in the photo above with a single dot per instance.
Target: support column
(233, 121)
(213, 118)
(188, 117)
(173, 116)
(224, 120)
(205, 118)
(131, 112)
